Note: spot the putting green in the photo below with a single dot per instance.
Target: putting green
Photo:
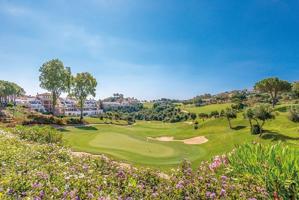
(126, 143)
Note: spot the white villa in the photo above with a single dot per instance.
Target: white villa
(31, 102)
(65, 106)
(69, 107)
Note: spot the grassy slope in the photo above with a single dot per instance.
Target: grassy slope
(130, 143)
(205, 109)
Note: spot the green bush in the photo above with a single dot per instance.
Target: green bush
(36, 118)
(294, 114)
(73, 121)
(40, 134)
(256, 129)
(277, 166)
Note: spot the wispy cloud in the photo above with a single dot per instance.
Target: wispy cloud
(13, 10)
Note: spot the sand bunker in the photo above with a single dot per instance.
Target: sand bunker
(194, 140)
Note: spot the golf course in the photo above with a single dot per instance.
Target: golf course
(161, 145)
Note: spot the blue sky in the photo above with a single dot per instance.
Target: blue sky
(152, 48)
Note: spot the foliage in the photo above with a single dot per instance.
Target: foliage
(262, 113)
(295, 89)
(84, 84)
(255, 129)
(277, 166)
(55, 78)
(74, 121)
(125, 108)
(37, 118)
(239, 97)
(203, 115)
(50, 172)
(8, 92)
(294, 114)
(230, 114)
(162, 111)
(273, 86)
(40, 134)
(193, 116)
(215, 114)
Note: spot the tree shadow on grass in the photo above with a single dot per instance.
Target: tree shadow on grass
(238, 127)
(87, 128)
(282, 109)
(275, 136)
(63, 130)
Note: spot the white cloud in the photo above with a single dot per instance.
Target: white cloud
(14, 10)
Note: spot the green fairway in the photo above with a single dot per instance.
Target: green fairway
(205, 109)
(131, 143)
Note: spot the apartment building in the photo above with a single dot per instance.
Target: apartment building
(31, 102)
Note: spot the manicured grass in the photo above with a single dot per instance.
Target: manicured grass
(205, 109)
(130, 143)
(148, 104)
(96, 120)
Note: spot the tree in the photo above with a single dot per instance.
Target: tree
(261, 114)
(84, 84)
(273, 86)
(249, 114)
(55, 78)
(9, 91)
(294, 113)
(295, 89)
(203, 116)
(230, 114)
(193, 116)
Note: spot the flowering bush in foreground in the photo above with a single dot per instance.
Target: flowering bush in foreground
(31, 170)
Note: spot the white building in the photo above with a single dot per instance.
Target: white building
(31, 102)
(70, 107)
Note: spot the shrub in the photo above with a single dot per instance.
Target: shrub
(277, 166)
(40, 134)
(203, 116)
(256, 129)
(35, 118)
(74, 121)
(214, 114)
(294, 114)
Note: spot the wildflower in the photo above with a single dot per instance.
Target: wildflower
(23, 194)
(73, 193)
(212, 195)
(90, 196)
(121, 174)
(224, 178)
(55, 190)
(179, 185)
(208, 194)
(41, 194)
(222, 192)
(85, 167)
(10, 191)
(155, 194)
(36, 185)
